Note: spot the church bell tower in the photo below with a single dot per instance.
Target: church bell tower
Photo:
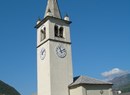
(54, 58)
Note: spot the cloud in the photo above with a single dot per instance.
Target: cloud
(113, 73)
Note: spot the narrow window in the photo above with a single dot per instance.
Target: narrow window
(56, 31)
(61, 32)
(43, 34)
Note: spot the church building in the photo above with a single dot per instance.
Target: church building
(54, 59)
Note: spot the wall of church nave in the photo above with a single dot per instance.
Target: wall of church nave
(98, 89)
(76, 90)
(91, 90)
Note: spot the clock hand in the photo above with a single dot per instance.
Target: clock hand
(60, 50)
(43, 52)
(63, 50)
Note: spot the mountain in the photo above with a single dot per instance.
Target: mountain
(122, 83)
(6, 89)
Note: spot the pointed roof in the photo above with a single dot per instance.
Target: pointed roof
(87, 80)
(52, 6)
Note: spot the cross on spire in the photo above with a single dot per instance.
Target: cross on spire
(52, 7)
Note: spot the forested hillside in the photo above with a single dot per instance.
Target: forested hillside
(122, 83)
(6, 89)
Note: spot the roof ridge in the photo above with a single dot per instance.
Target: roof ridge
(97, 79)
(88, 80)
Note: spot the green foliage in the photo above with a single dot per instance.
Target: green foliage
(125, 88)
(122, 83)
(7, 89)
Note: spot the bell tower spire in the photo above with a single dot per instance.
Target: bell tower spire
(52, 6)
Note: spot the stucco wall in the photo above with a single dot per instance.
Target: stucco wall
(76, 90)
(91, 90)
(54, 73)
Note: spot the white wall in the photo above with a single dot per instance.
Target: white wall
(91, 90)
(76, 90)
(54, 74)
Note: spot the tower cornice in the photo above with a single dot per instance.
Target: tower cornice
(50, 17)
(53, 41)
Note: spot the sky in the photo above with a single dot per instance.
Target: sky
(100, 34)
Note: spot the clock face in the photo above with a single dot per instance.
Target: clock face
(42, 53)
(61, 51)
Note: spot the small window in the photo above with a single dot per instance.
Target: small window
(43, 34)
(61, 32)
(56, 31)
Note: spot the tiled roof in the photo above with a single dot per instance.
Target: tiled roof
(87, 80)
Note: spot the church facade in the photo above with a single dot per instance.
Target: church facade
(54, 59)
